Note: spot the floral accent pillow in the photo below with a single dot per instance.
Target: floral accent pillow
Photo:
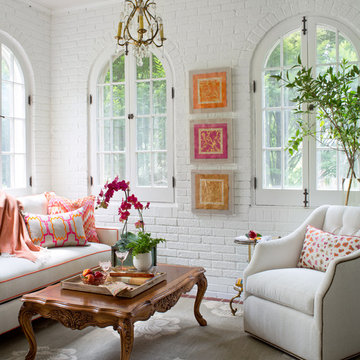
(56, 230)
(320, 247)
(58, 204)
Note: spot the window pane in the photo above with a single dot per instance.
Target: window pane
(19, 101)
(5, 69)
(119, 134)
(143, 98)
(346, 50)
(157, 68)
(107, 135)
(104, 77)
(18, 74)
(272, 129)
(5, 134)
(272, 169)
(20, 136)
(20, 171)
(291, 45)
(290, 125)
(119, 69)
(6, 177)
(293, 170)
(159, 133)
(143, 134)
(107, 101)
(144, 169)
(7, 63)
(160, 166)
(119, 165)
(274, 58)
(272, 90)
(325, 46)
(7, 99)
(290, 94)
(326, 170)
(118, 100)
(143, 72)
(159, 97)
(108, 174)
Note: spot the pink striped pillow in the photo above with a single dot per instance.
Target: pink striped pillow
(58, 204)
(56, 230)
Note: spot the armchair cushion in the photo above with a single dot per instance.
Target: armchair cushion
(321, 247)
(291, 287)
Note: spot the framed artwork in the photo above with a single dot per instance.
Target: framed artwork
(211, 140)
(210, 90)
(212, 191)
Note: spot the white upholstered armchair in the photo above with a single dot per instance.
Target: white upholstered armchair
(308, 313)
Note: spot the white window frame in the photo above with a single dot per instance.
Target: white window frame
(144, 193)
(29, 81)
(289, 197)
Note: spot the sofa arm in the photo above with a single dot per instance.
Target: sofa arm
(108, 236)
(284, 252)
(336, 307)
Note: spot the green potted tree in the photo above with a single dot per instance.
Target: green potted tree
(335, 99)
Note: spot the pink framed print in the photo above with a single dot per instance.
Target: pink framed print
(210, 90)
(211, 140)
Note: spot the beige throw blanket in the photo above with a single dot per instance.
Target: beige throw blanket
(14, 238)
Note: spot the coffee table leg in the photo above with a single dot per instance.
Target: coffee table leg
(25, 316)
(126, 331)
(202, 286)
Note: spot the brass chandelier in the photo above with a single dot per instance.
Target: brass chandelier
(140, 26)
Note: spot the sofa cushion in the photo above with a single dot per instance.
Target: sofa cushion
(292, 287)
(321, 247)
(59, 204)
(19, 276)
(56, 230)
(36, 204)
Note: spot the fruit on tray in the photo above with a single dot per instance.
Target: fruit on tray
(91, 277)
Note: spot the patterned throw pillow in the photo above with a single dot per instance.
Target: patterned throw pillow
(58, 204)
(320, 247)
(56, 230)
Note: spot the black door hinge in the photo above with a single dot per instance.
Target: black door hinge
(173, 182)
(306, 201)
(255, 182)
(172, 92)
(30, 181)
(90, 99)
(29, 100)
(254, 86)
(304, 29)
(91, 181)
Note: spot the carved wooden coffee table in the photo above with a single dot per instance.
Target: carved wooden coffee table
(77, 310)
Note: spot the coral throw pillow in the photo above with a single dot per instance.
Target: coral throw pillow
(320, 247)
(56, 230)
(58, 204)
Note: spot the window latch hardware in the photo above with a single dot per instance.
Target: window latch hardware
(306, 201)
(130, 116)
(2, 116)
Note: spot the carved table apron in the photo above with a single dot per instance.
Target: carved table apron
(77, 310)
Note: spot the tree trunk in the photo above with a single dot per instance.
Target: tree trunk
(348, 191)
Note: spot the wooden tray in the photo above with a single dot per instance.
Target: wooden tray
(75, 283)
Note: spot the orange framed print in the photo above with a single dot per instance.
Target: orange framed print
(211, 140)
(212, 191)
(210, 90)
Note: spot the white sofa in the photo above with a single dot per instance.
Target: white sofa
(19, 276)
(307, 313)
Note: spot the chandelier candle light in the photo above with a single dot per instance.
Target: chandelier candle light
(140, 26)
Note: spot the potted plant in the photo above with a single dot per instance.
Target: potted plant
(336, 102)
(136, 244)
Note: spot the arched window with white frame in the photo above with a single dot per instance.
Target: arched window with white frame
(314, 170)
(132, 125)
(15, 160)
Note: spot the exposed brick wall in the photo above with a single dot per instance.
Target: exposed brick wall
(201, 34)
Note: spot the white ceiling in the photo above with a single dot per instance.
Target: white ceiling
(55, 5)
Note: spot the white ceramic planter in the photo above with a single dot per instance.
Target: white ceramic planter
(142, 262)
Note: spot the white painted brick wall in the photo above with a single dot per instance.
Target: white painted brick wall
(201, 34)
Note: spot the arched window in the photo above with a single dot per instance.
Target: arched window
(133, 125)
(282, 179)
(14, 144)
